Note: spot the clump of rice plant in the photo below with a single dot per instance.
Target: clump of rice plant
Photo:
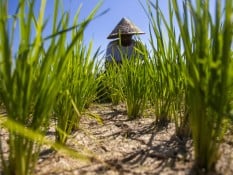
(165, 68)
(195, 65)
(135, 80)
(30, 81)
(79, 89)
(112, 82)
(207, 41)
(128, 81)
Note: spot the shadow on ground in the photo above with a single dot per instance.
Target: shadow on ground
(164, 154)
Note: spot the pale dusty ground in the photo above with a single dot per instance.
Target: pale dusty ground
(133, 147)
(122, 147)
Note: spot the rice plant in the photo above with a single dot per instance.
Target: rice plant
(207, 42)
(79, 89)
(31, 81)
(165, 69)
(195, 65)
(113, 83)
(127, 81)
(135, 80)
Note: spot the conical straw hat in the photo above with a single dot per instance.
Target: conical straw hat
(124, 27)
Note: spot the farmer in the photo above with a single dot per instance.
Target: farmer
(124, 45)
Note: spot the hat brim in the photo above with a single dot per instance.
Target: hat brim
(117, 35)
(125, 27)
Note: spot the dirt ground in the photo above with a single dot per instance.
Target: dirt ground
(120, 146)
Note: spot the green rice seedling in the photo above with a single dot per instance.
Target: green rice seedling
(207, 41)
(113, 83)
(103, 92)
(135, 80)
(79, 89)
(30, 81)
(230, 94)
(166, 64)
(127, 81)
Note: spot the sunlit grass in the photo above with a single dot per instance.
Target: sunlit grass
(128, 82)
(79, 90)
(207, 43)
(135, 85)
(192, 71)
(29, 87)
(166, 69)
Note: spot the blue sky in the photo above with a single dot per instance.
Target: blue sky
(100, 28)
(103, 25)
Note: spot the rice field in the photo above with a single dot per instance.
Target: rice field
(167, 110)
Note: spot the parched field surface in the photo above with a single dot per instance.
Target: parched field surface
(120, 146)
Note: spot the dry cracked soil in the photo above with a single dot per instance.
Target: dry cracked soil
(119, 146)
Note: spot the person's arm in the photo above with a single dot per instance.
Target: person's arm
(109, 53)
(113, 52)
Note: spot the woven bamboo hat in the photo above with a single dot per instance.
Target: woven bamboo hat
(124, 27)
